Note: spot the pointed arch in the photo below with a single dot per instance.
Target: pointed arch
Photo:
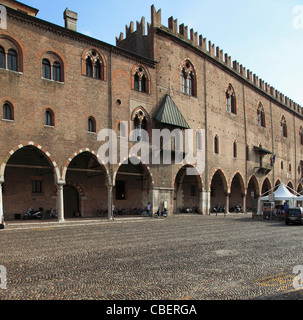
(231, 101)
(188, 78)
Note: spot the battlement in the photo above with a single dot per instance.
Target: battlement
(201, 43)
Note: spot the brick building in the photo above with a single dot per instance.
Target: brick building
(59, 88)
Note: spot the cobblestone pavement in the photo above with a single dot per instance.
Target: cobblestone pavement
(179, 258)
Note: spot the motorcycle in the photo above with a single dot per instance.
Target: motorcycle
(31, 214)
(52, 214)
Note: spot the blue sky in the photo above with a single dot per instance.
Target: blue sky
(258, 33)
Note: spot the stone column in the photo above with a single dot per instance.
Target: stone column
(110, 201)
(60, 201)
(206, 202)
(227, 203)
(1, 200)
(244, 197)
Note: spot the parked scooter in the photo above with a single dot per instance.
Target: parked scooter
(52, 214)
(31, 214)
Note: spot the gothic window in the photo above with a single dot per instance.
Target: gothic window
(140, 123)
(261, 116)
(283, 127)
(94, 65)
(8, 111)
(140, 79)
(2, 58)
(188, 79)
(49, 118)
(231, 105)
(91, 124)
(97, 69)
(12, 61)
(46, 69)
(89, 67)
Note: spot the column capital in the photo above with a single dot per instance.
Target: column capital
(61, 183)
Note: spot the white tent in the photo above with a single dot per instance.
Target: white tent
(281, 194)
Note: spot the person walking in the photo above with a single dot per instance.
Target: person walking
(148, 211)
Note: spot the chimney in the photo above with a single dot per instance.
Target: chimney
(70, 19)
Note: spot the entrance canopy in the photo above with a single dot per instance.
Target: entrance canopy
(281, 194)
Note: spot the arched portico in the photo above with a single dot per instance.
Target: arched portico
(187, 192)
(253, 194)
(132, 187)
(219, 192)
(84, 185)
(29, 175)
(237, 194)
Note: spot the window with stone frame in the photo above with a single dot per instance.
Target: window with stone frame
(94, 65)
(188, 79)
(140, 125)
(231, 105)
(140, 79)
(261, 115)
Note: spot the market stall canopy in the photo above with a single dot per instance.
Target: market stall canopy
(282, 193)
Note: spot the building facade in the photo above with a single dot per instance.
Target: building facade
(60, 88)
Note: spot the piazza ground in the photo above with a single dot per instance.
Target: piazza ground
(189, 257)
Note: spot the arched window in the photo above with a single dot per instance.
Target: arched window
(12, 60)
(140, 124)
(231, 105)
(122, 130)
(91, 124)
(140, 80)
(57, 71)
(247, 153)
(52, 67)
(2, 58)
(283, 127)
(8, 111)
(97, 70)
(49, 118)
(261, 116)
(137, 128)
(94, 64)
(235, 151)
(188, 79)
(46, 69)
(216, 144)
(89, 67)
